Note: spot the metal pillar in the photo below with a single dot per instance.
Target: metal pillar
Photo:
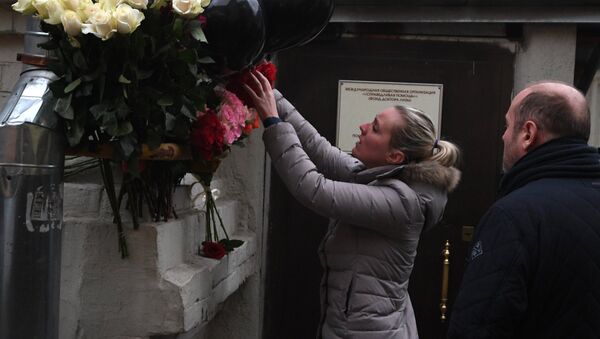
(31, 198)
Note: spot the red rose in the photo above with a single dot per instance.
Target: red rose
(207, 134)
(236, 81)
(213, 250)
(269, 70)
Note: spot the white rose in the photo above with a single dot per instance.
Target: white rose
(101, 24)
(24, 7)
(183, 7)
(110, 5)
(128, 19)
(89, 11)
(71, 22)
(197, 7)
(40, 7)
(72, 5)
(139, 4)
(55, 11)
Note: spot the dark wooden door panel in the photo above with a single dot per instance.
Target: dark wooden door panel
(477, 81)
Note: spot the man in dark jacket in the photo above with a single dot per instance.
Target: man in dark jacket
(534, 266)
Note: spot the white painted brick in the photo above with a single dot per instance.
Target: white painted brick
(81, 200)
(6, 19)
(11, 72)
(19, 23)
(170, 237)
(10, 45)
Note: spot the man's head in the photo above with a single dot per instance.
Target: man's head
(540, 113)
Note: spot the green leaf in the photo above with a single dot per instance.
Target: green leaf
(206, 60)
(127, 145)
(75, 130)
(122, 110)
(178, 27)
(57, 68)
(123, 79)
(180, 127)
(165, 101)
(71, 87)
(188, 55)
(186, 111)
(153, 139)
(57, 87)
(62, 104)
(98, 111)
(123, 128)
(196, 31)
(169, 121)
(144, 74)
(91, 76)
(63, 107)
(231, 244)
(48, 45)
(79, 60)
(87, 89)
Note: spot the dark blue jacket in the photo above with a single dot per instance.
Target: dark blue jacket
(534, 266)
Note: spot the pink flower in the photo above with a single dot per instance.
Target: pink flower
(232, 114)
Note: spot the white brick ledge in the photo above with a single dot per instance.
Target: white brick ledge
(163, 288)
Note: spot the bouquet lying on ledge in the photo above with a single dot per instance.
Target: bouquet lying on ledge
(135, 76)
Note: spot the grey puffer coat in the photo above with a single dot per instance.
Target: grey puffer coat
(377, 216)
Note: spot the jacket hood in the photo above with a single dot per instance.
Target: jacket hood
(428, 172)
(431, 172)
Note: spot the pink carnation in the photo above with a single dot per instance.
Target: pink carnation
(232, 114)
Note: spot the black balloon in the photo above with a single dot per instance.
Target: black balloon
(235, 30)
(291, 23)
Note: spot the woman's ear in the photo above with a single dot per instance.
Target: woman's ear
(395, 157)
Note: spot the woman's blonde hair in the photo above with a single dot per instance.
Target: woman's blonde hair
(417, 139)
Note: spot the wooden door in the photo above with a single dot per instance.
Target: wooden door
(477, 79)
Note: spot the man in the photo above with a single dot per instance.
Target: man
(534, 266)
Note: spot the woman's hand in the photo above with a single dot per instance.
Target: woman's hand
(262, 96)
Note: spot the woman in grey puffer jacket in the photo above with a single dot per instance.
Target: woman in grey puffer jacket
(379, 200)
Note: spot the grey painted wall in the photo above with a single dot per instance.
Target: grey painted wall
(547, 53)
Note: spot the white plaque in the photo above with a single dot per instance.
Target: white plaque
(360, 101)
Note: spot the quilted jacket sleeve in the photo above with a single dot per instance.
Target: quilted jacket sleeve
(331, 161)
(493, 296)
(391, 209)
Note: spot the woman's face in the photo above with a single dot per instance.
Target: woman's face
(373, 146)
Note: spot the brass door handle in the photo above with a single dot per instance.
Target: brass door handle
(445, 274)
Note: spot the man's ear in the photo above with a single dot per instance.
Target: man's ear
(395, 157)
(531, 135)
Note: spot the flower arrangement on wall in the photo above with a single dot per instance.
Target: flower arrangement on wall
(163, 77)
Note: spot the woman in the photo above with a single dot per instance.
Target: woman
(379, 199)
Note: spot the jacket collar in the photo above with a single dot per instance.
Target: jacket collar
(429, 172)
(558, 158)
